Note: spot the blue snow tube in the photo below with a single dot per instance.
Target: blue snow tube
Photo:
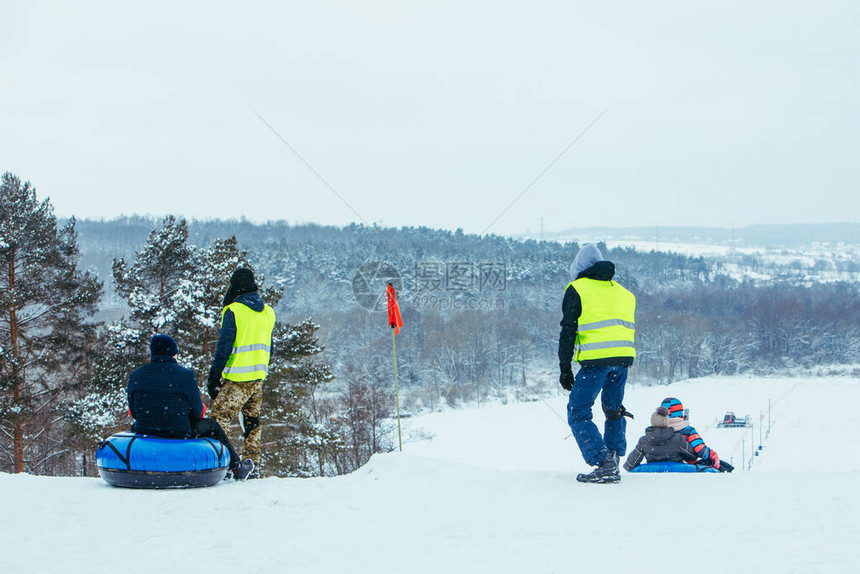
(134, 460)
(672, 467)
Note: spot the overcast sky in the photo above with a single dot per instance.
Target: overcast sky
(437, 113)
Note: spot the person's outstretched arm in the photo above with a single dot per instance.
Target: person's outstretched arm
(226, 338)
(571, 308)
(699, 447)
(635, 458)
(195, 401)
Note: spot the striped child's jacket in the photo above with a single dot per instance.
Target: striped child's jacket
(699, 447)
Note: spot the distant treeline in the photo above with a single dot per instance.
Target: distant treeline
(773, 236)
(471, 334)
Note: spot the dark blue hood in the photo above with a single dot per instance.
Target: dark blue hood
(251, 300)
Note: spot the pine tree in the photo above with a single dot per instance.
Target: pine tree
(161, 286)
(299, 440)
(99, 410)
(44, 334)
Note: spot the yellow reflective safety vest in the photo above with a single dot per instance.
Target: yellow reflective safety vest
(607, 324)
(249, 359)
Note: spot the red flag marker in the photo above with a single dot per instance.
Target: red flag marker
(394, 319)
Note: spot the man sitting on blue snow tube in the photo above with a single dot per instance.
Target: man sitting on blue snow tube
(164, 400)
(673, 441)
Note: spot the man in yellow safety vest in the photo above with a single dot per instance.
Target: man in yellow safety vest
(241, 361)
(598, 326)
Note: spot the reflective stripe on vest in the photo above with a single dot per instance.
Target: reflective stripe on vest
(251, 369)
(607, 323)
(606, 326)
(605, 345)
(258, 347)
(249, 359)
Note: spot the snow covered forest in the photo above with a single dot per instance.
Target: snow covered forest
(473, 337)
(79, 300)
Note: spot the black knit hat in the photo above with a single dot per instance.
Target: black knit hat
(241, 282)
(163, 345)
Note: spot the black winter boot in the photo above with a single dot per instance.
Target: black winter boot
(605, 473)
(244, 470)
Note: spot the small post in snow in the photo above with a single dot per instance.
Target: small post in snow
(768, 418)
(752, 444)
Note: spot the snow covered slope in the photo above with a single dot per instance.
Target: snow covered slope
(492, 491)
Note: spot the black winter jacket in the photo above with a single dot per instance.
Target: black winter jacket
(660, 444)
(163, 399)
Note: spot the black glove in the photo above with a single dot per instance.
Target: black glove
(213, 386)
(725, 467)
(566, 377)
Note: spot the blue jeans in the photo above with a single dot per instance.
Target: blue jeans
(588, 382)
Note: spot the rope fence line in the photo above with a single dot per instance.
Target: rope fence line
(746, 463)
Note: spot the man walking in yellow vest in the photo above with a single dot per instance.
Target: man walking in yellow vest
(241, 361)
(598, 325)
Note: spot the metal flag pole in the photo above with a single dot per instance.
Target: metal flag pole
(396, 390)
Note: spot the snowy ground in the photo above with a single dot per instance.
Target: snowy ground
(492, 491)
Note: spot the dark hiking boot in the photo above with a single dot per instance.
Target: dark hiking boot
(244, 470)
(607, 472)
(254, 473)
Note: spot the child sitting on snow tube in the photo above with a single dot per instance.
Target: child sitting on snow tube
(164, 401)
(670, 439)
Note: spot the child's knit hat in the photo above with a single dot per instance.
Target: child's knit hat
(674, 406)
(660, 417)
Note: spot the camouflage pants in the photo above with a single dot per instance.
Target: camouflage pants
(245, 397)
